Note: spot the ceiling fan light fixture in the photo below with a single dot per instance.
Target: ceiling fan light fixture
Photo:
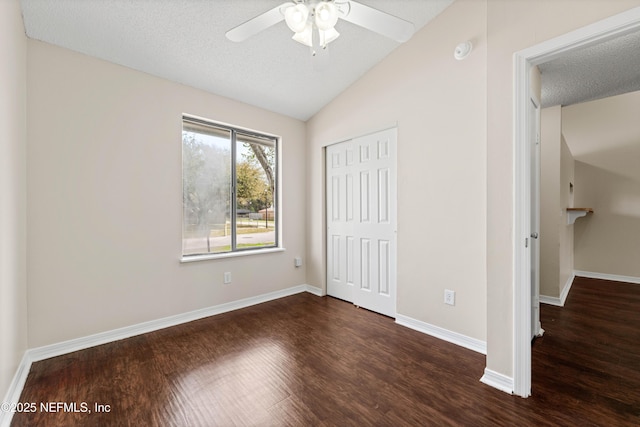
(327, 36)
(296, 17)
(326, 15)
(305, 36)
(322, 15)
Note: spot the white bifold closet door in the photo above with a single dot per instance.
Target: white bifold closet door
(361, 221)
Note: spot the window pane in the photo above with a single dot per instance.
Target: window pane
(256, 210)
(229, 189)
(206, 180)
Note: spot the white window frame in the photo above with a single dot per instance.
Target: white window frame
(235, 251)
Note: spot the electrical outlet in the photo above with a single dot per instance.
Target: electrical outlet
(449, 297)
(227, 278)
(297, 261)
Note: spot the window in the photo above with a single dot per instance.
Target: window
(229, 189)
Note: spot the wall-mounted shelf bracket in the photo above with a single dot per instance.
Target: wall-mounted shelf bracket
(575, 213)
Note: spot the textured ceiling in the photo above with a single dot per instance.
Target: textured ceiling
(605, 69)
(184, 41)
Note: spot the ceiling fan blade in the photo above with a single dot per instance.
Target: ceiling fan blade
(375, 20)
(257, 24)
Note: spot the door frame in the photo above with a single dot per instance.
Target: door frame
(523, 61)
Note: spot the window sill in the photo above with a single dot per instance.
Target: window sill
(208, 257)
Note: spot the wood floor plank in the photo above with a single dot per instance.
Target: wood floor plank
(310, 361)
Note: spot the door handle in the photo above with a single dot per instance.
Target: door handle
(534, 235)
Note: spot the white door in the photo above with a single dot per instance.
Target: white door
(361, 221)
(534, 140)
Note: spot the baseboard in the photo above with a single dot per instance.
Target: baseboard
(53, 350)
(443, 334)
(544, 299)
(15, 389)
(497, 380)
(315, 291)
(559, 301)
(604, 276)
(58, 349)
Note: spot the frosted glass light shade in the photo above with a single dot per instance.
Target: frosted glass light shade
(296, 17)
(305, 36)
(326, 15)
(328, 36)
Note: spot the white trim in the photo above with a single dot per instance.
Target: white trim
(15, 389)
(443, 334)
(604, 276)
(522, 228)
(225, 255)
(497, 380)
(589, 35)
(545, 299)
(559, 301)
(567, 287)
(58, 349)
(319, 292)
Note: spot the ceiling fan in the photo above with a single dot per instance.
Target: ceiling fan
(313, 22)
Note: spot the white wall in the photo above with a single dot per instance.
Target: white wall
(439, 107)
(13, 297)
(556, 236)
(104, 199)
(605, 137)
(567, 177)
(550, 208)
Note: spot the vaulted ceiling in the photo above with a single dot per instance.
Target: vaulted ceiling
(184, 41)
(605, 133)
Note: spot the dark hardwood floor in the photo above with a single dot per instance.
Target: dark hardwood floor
(310, 361)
